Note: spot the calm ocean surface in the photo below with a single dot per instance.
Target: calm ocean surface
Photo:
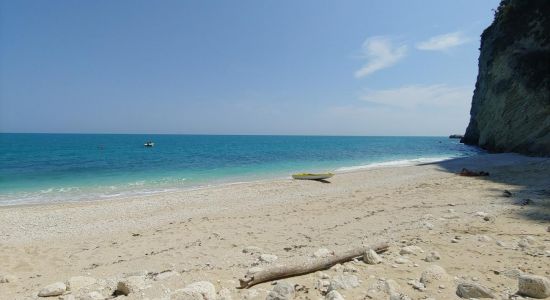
(38, 168)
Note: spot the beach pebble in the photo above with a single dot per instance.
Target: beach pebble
(407, 250)
(343, 281)
(202, 290)
(252, 249)
(323, 252)
(371, 257)
(473, 290)
(433, 256)
(391, 287)
(77, 282)
(283, 290)
(54, 289)
(481, 214)
(534, 286)
(7, 278)
(402, 261)
(334, 295)
(417, 285)
(224, 294)
(434, 274)
(268, 258)
(130, 285)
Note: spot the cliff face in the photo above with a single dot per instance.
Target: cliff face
(511, 103)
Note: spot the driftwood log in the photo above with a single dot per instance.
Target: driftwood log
(308, 266)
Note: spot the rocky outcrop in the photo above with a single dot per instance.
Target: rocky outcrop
(511, 103)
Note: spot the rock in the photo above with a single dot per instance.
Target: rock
(434, 274)
(526, 242)
(54, 289)
(433, 256)
(202, 290)
(252, 249)
(323, 252)
(402, 261)
(224, 294)
(534, 286)
(501, 243)
(132, 284)
(371, 257)
(410, 250)
(429, 225)
(481, 214)
(343, 281)
(473, 290)
(417, 285)
(399, 297)
(322, 285)
(268, 258)
(281, 291)
(334, 295)
(7, 278)
(77, 282)
(92, 296)
(391, 287)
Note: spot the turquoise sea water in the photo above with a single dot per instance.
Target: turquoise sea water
(70, 167)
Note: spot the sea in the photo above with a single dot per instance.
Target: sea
(45, 168)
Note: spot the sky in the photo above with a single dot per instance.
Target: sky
(308, 67)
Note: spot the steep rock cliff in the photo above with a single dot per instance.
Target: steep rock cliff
(511, 103)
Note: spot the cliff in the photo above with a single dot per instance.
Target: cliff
(511, 103)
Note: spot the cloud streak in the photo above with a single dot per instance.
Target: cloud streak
(380, 54)
(443, 42)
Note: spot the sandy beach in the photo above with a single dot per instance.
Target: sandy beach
(469, 226)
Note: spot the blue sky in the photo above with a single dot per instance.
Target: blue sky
(240, 67)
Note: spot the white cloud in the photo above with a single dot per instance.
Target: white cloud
(380, 54)
(443, 41)
(412, 96)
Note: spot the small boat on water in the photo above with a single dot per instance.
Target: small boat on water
(312, 176)
(149, 144)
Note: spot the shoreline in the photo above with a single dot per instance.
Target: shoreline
(228, 181)
(201, 234)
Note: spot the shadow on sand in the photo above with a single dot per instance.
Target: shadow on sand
(527, 180)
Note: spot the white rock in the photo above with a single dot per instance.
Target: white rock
(428, 225)
(343, 281)
(77, 282)
(334, 295)
(433, 256)
(512, 273)
(371, 257)
(473, 290)
(7, 278)
(481, 214)
(132, 284)
(224, 294)
(501, 243)
(391, 287)
(433, 274)
(54, 289)
(399, 296)
(526, 242)
(283, 290)
(202, 290)
(322, 285)
(323, 252)
(534, 286)
(407, 250)
(402, 261)
(417, 285)
(268, 258)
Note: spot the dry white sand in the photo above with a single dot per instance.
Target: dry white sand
(201, 233)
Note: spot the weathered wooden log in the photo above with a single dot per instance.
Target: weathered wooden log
(307, 266)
